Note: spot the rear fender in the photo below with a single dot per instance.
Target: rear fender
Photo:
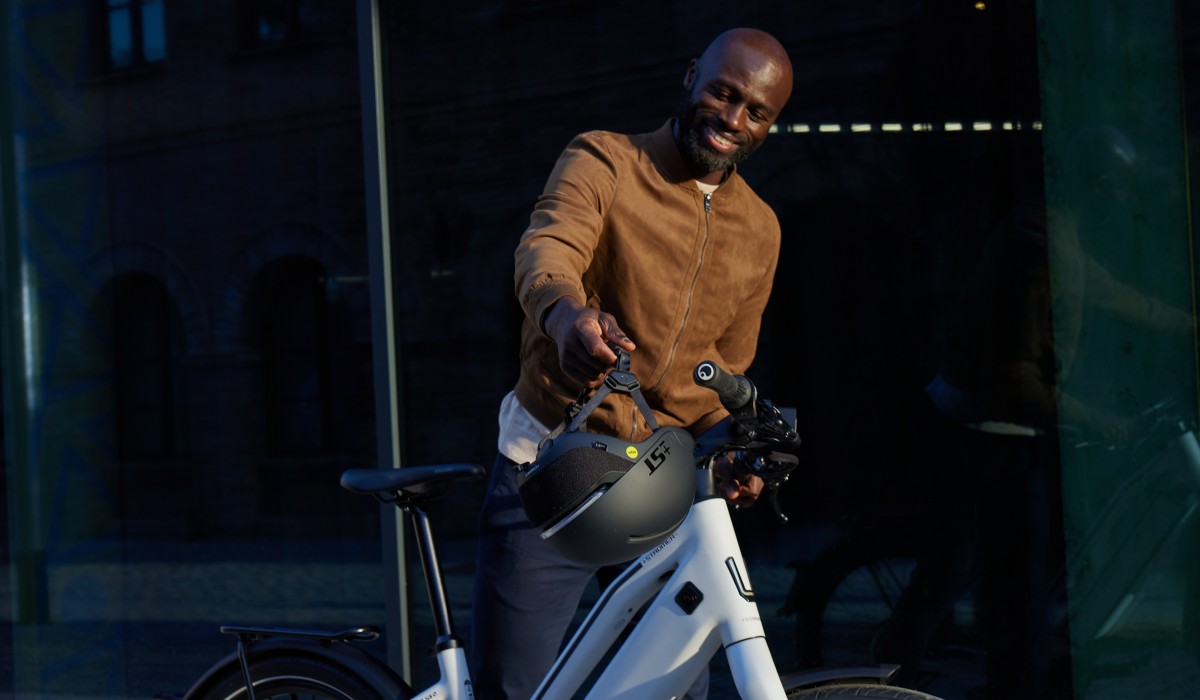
(381, 677)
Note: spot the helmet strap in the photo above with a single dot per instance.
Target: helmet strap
(618, 379)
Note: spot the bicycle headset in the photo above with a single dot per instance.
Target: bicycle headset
(601, 500)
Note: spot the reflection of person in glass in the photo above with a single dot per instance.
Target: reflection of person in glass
(1006, 355)
(656, 236)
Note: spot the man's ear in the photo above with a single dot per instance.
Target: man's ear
(689, 78)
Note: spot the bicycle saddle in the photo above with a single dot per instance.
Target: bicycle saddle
(408, 483)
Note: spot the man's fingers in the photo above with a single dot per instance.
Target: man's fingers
(743, 490)
(582, 369)
(592, 331)
(736, 490)
(603, 354)
(583, 336)
(614, 334)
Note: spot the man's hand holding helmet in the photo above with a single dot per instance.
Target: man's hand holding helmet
(583, 335)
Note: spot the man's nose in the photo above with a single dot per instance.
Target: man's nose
(734, 117)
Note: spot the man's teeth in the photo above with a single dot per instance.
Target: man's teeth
(720, 139)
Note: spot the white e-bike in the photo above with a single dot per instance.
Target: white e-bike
(668, 612)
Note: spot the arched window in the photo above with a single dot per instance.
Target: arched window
(292, 314)
(147, 344)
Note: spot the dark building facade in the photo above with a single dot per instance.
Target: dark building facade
(218, 294)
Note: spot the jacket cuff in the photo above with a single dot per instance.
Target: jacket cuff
(543, 297)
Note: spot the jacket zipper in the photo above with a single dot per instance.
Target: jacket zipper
(691, 292)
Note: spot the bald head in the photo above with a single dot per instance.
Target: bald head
(753, 50)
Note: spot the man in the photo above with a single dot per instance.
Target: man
(655, 234)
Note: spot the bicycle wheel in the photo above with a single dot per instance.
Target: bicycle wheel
(866, 603)
(846, 601)
(857, 691)
(859, 608)
(294, 677)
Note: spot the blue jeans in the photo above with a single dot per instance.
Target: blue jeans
(525, 596)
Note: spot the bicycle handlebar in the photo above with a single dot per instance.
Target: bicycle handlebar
(758, 420)
(734, 391)
(763, 441)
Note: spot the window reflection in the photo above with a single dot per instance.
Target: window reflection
(269, 23)
(135, 33)
(142, 219)
(878, 187)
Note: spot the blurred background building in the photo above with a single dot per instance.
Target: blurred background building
(248, 244)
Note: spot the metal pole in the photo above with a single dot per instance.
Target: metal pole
(372, 76)
(18, 304)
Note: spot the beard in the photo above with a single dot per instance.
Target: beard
(696, 151)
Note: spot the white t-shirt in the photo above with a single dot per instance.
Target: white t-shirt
(520, 432)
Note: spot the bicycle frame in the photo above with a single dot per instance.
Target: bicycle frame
(681, 602)
(675, 606)
(699, 598)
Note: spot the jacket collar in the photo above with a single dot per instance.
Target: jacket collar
(666, 156)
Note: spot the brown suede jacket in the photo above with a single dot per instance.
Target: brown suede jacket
(623, 228)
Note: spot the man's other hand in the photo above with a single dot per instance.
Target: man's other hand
(742, 490)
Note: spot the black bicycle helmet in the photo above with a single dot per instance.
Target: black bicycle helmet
(601, 500)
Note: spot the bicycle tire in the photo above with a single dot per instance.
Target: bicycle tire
(292, 677)
(857, 691)
(843, 601)
(858, 609)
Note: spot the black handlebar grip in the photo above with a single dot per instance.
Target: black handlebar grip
(733, 390)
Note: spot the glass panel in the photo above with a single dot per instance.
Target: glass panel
(983, 315)
(1122, 271)
(161, 201)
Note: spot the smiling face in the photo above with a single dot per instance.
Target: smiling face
(735, 91)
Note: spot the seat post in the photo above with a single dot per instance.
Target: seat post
(434, 583)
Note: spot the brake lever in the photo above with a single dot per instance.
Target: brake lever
(772, 489)
(773, 499)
